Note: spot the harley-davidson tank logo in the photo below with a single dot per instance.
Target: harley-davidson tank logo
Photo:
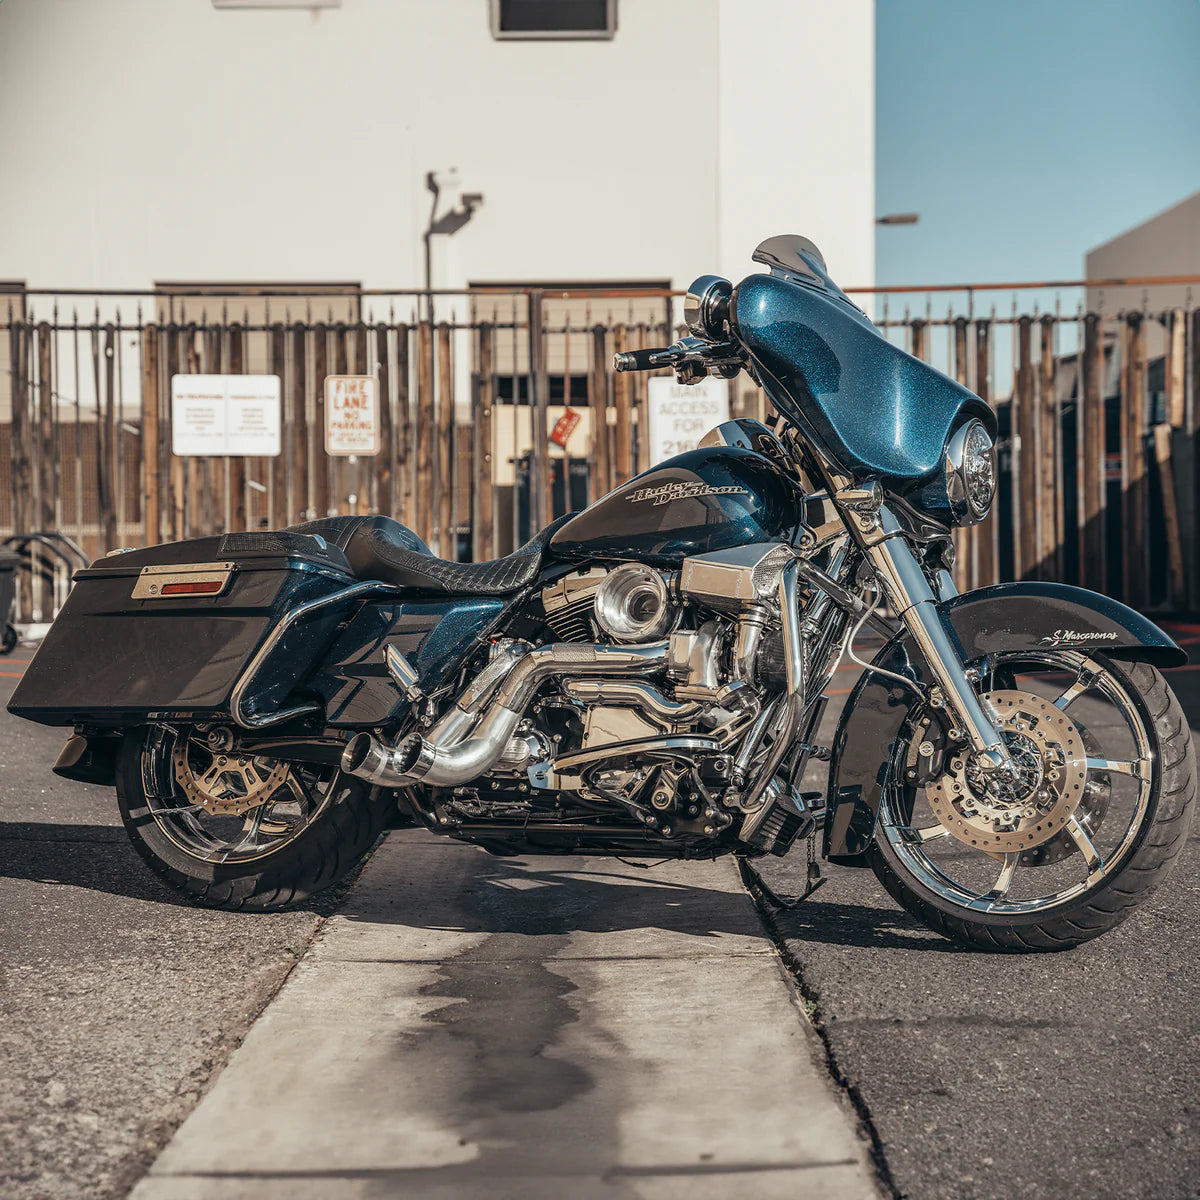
(682, 491)
(1070, 637)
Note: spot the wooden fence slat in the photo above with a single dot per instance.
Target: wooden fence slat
(482, 520)
(238, 500)
(541, 481)
(1177, 581)
(1091, 457)
(106, 458)
(404, 455)
(385, 472)
(919, 346)
(1176, 369)
(623, 402)
(445, 444)
(600, 475)
(320, 460)
(279, 507)
(1048, 467)
(302, 469)
(1025, 420)
(151, 438)
(1135, 525)
(963, 538)
(425, 417)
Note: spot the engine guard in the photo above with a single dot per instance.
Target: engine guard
(1006, 616)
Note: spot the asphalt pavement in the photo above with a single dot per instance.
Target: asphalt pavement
(118, 1003)
(1061, 1076)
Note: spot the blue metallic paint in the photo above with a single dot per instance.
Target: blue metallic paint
(636, 521)
(874, 410)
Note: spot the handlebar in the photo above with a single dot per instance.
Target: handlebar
(638, 360)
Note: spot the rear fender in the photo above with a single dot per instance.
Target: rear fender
(1007, 616)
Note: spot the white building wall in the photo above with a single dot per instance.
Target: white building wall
(147, 140)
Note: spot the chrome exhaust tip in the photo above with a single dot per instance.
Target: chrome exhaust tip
(399, 766)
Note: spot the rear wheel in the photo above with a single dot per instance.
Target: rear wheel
(234, 831)
(1099, 810)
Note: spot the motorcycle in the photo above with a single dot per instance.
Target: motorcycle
(648, 677)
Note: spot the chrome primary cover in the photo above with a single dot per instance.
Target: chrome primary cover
(1005, 816)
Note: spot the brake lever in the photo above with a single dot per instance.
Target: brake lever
(692, 359)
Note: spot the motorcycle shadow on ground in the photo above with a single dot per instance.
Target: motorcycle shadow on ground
(526, 896)
(101, 859)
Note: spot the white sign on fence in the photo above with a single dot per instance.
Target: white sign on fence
(680, 415)
(220, 415)
(351, 414)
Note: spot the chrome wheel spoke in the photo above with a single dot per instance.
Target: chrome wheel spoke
(175, 812)
(1079, 835)
(927, 834)
(1135, 767)
(1004, 879)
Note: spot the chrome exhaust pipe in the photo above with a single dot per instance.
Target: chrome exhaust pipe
(454, 753)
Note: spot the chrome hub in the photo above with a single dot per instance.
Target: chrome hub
(1006, 813)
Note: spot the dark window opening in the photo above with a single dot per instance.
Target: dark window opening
(554, 18)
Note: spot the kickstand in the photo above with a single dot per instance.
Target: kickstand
(755, 882)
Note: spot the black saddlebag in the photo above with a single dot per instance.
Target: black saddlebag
(167, 632)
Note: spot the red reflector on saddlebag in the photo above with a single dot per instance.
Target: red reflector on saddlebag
(200, 587)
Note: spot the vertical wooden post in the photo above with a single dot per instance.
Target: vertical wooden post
(238, 515)
(279, 506)
(1026, 514)
(600, 475)
(320, 478)
(1091, 456)
(917, 325)
(1191, 485)
(963, 538)
(1134, 508)
(642, 404)
(43, 568)
(341, 469)
(482, 521)
(1177, 580)
(1049, 474)
(445, 445)
(623, 402)
(151, 438)
(301, 475)
(404, 456)
(385, 473)
(176, 493)
(1176, 369)
(425, 433)
(985, 532)
(108, 473)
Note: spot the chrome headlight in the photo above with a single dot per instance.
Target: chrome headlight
(970, 472)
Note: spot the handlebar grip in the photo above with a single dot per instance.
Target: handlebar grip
(636, 360)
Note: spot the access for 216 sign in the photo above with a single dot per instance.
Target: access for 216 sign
(351, 415)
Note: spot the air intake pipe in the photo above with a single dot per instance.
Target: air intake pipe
(451, 754)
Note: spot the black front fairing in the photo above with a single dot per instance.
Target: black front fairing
(872, 409)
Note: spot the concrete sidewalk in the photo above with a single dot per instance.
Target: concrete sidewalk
(469, 1026)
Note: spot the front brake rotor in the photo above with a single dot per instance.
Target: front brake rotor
(231, 784)
(1001, 815)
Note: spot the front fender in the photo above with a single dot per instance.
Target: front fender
(1007, 616)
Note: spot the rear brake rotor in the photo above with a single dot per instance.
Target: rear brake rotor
(230, 784)
(1001, 815)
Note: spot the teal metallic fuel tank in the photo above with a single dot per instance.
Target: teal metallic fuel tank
(874, 410)
(708, 499)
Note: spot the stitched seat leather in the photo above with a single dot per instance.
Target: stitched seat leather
(383, 549)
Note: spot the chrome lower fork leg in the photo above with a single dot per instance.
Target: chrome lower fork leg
(911, 597)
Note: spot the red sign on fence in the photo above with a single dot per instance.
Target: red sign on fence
(564, 427)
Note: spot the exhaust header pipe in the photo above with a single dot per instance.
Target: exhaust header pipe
(454, 752)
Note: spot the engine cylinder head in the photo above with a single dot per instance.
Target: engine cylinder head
(633, 604)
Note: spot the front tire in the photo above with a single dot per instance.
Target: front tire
(1141, 860)
(284, 865)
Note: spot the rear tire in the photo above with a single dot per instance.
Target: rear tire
(1163, 832)
(315, 859)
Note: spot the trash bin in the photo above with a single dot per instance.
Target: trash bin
(9, 565)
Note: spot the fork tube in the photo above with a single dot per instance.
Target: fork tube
(908, 592)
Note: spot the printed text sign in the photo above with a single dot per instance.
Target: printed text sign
(351, 414)
(220, 415)
(680, 415)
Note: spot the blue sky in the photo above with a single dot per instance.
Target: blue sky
(1027, 131)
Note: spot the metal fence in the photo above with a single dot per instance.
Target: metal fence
(1098, 414)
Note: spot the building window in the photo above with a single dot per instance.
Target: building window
(554, 18)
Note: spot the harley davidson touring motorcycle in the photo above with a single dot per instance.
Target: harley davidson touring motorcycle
(648, 677)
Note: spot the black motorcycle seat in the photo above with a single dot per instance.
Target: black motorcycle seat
(382, 549)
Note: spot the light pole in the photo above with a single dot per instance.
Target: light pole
(448, 223)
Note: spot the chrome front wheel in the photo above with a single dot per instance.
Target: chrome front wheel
(1104, 782)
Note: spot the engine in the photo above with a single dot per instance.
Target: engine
(637, 695)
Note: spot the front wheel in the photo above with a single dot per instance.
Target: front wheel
(1098, 811)
(234, 831)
